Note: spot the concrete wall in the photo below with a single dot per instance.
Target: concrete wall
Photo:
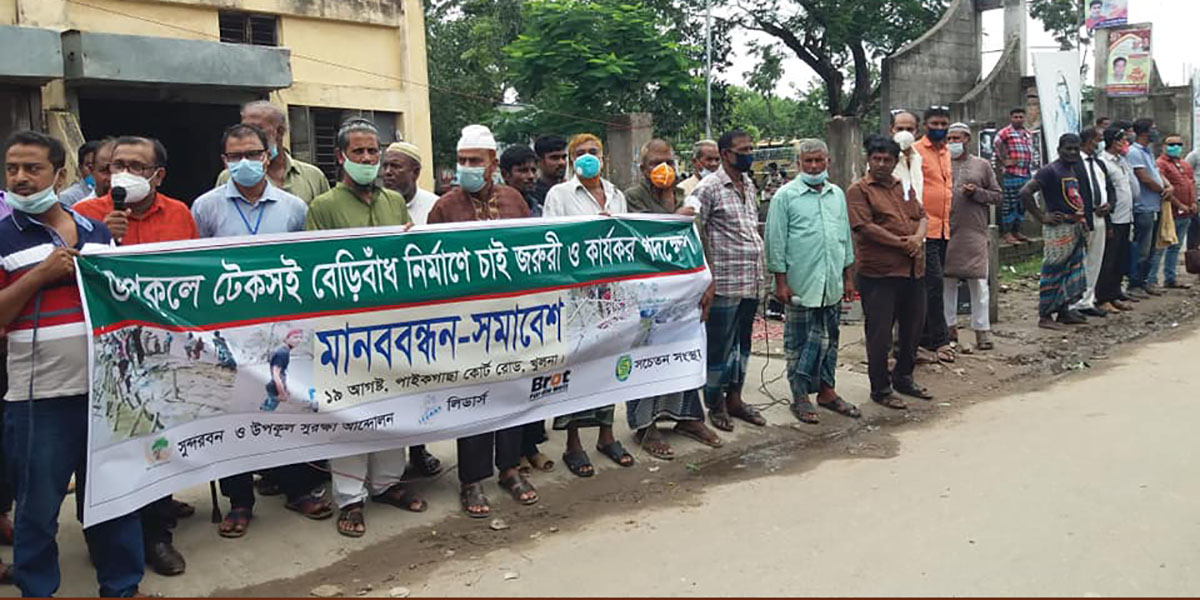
(624, 148)
(996, 95)
(938, 68)
(844, 136)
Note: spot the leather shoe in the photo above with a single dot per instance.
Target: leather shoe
(1071, 317)
(165, 559)
(1121, 305)
(1154, 290)
(1136, 295)
(1094, 312)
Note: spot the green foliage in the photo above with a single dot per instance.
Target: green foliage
(1063, 18)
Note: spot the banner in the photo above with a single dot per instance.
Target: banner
(1129, 61)
(216, 357)
(1106, 13)
(1057, 75)
(1196, 109)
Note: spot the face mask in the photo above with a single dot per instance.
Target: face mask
(704, 173)
(905, 139)
(361, 174)
(90, 181)
(246, 173)
(956, 149)
(471, 178)
(817, 179)
(587, 166)
(274, 151)
(136, 186)
(34, 204)
(743, 162)
(662, 176)
(1175, 150)
(937, 135)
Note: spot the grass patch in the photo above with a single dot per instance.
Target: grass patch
(1030, 267)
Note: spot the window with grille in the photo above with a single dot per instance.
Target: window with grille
(246, 28)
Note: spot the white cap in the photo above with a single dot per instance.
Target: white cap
(476, 137)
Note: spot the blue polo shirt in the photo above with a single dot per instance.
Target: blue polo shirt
(1147, 201)
(223, 211)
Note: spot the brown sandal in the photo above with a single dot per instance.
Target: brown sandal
(236, 523)
(350, 519)
(471, 496)
(518, 486)
(401, 497)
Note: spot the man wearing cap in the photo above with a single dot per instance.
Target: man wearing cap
(478, 198)
(401, 170)
(359, 201)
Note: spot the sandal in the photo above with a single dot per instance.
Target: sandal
(841, 407)
(890, 401)
(650, 440)
(578, 463)
(518, 486)
(401, 497)
(712, 442)
(805, 412)
(946, 354)
(311, 506)
(235, 523)
(616, 452)
(748, 414)
(540, 462)
(350, 520)
(913, 390)
(423, 464)
(720, 419)
(472, 496)
(925, 357)
(182, 510)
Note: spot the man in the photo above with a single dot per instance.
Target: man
(706, 159)
(1014, 148)
(46, 413)
(1062, 221)
(518, 167)
(889, 226)
(139, 166)
(295, 177)
(810, 253)
(359, 201)
(250, 205)
(936, 197)
(1178, 173)
(551, 153)
(976, 191)
(728, 223)
(656, 193)
(478, 198)
(1115, 264)
(401, 171)
(86, 186)
(909, 170)
(1147, 206)
(1098, 194)
(1103, 123)
(277, 387)
(772, 181)
(1118, 69)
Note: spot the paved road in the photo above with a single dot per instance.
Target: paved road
(1085, 488)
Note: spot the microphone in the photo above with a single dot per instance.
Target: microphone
(118, 198)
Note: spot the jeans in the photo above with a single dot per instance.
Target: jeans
(45, 443)
(1145, 232)
(730, 326)
(935, 334)
(1171, 256)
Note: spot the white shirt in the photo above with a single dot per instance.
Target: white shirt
(1121, 173)
(908, 171)
(420, 205)
(1090, 166)
(570, 199)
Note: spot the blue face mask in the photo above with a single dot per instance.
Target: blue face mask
(937, 135)
(587, 166)
(817, 179)
(33, 204)
(471, 178)
(743, 162)
(273, 151)
(246, 173)
(90, 181)
(1174, 150)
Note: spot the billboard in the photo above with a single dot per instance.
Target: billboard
(1057, 75)
(1107, 13)
(1128, 67)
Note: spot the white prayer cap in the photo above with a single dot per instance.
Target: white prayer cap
(960, 126)
(407, 149)
(476, 137)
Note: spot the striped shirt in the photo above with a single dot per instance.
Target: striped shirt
(62, 350)
(729, 225)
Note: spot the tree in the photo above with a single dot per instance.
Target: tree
(578, 62)
(766, 74)
(1063, 18)
(836, 38)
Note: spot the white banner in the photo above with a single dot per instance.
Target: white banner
(1057, 76)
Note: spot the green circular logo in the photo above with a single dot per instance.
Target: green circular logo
(624, 367)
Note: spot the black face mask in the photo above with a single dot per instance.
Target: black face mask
(743, 162)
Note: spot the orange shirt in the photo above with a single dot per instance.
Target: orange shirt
(167, 219)
(935, 166)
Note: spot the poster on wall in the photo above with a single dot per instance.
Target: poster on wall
(1107, 13)
(987, 141)
(1129, 62)
(1057, 75)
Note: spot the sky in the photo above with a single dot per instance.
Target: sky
(1174, 21)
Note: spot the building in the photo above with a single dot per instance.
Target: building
(178, 70)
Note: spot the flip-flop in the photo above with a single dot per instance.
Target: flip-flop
(238, 520)
(748, 414)
(518, 485)
(616, 452)
(656, 447)
(890, 401)
(576, 460)
(721, 420)
(311, 506)
(841, 407)
(715, 443)
(805, 412)
(405, 498)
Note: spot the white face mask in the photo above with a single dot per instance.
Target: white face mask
(905, 138)
(137, 188)
(956, 149)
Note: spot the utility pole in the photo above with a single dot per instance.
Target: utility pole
(708, 69)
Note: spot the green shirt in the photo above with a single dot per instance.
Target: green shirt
(341, 208)
(300, 179)
(808, 237)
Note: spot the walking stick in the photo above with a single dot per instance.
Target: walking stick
(216, 506)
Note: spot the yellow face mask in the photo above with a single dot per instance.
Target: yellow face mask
(663, 176)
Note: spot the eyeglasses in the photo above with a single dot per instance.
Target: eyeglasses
(120, 166)
(248, 155)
